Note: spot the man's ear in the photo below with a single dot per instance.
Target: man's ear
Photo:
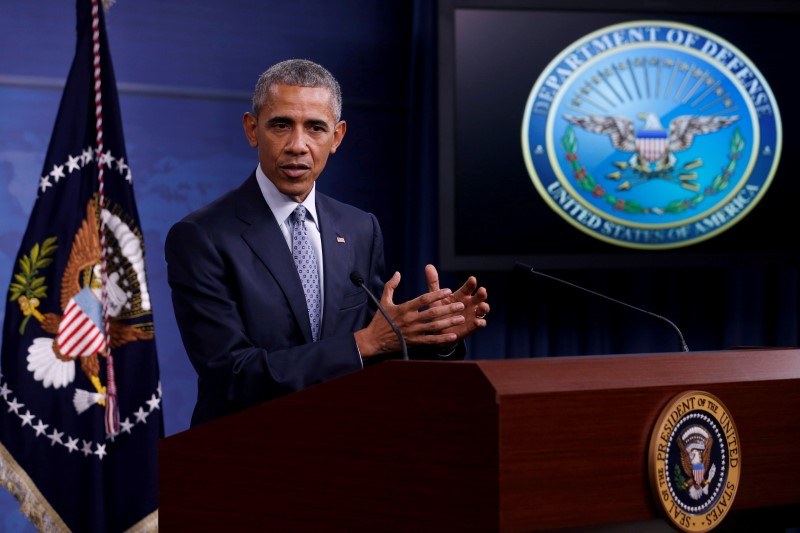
(338, 134)
(250, 125)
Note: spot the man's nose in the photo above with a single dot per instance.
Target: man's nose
(298, 142)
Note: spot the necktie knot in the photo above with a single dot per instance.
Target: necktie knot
(298, 216)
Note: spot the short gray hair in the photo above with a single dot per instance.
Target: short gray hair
(299, 73)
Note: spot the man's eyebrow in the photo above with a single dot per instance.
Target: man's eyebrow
(317, 122)
(279, 119)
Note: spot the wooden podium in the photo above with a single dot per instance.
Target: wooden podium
(506, 445)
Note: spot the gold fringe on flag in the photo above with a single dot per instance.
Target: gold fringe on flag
(31, 502)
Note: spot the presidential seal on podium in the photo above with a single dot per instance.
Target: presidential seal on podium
(695, 461)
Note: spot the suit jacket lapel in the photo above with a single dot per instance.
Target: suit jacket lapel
(265, 239)
(336, 252)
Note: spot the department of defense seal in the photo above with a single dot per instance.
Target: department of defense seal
(651, 134)
(695, 461)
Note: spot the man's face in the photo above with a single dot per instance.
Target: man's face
(294, 132)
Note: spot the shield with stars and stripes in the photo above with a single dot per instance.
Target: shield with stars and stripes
(651, 145)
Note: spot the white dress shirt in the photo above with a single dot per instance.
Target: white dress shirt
(282, 207)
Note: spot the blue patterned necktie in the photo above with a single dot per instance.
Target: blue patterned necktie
(306, 262)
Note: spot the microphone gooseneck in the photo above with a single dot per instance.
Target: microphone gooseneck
(529, 269)
(358, 281)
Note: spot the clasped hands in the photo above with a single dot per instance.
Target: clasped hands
(438, 317)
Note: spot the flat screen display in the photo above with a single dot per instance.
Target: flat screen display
(617, 137)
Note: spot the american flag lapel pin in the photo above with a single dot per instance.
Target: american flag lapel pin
(340, 239)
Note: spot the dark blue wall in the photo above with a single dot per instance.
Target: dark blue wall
(185, 72)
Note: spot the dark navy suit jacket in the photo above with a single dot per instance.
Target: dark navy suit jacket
(240, 306)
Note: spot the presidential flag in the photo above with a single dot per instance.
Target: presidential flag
(80, 398)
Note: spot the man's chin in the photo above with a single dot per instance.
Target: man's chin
(296, 190)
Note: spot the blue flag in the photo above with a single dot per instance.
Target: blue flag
(80, 398)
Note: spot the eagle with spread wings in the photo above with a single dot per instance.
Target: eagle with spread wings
(695, 446)
(79, 331)
(652, 143)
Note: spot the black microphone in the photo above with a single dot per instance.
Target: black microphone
(529, 269)
(358, 281)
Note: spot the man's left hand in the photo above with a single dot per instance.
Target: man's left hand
(473, 297)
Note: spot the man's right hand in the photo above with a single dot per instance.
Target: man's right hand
(418, 322)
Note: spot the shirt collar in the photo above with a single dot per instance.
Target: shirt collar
(280, 204)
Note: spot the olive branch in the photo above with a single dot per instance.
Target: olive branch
(720, 181)
(679, 479)
(27, 287)
(587, 182)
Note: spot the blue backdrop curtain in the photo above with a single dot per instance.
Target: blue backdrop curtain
(420, 192)
(716, 308)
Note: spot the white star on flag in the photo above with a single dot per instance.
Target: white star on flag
(27, 419)
(57, 172)
(40, 428)
(73, 163)
(126, 425)
(55, 437)
(101, 450)
(87, 448)
(14, 405)
(72, 444)
(106, 159)
(44, 183)
(153, 402)
(141, 415)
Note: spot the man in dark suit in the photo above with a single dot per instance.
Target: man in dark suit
(258, 324)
